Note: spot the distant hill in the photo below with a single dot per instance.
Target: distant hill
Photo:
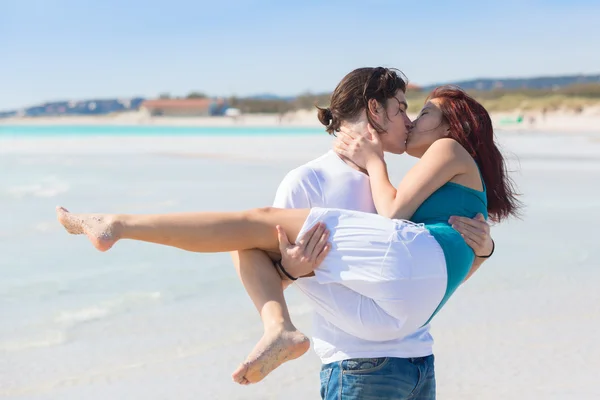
(267, 102)
(269, 96)
(548, 82)
(83, 107)
(7, 114)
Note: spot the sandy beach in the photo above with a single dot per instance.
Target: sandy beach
(150, 322)
(557, 121)
(126, 107)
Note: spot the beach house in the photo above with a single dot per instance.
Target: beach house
(178, 107)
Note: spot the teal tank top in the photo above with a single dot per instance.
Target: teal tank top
(452, 199)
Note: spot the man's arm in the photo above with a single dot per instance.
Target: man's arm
(291, 193)
(296, 191)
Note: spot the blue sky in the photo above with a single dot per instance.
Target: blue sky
(74, 49)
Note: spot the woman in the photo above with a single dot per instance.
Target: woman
(453, 138)
(406, 271)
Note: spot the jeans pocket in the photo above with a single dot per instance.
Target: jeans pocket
(325, 377)
(363, 365)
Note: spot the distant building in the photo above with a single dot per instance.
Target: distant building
(178, 107)
(233, 112)
(413, 88)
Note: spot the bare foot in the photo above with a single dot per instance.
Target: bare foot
(273, 349)
(99, 228)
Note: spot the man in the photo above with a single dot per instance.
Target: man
(353, 368)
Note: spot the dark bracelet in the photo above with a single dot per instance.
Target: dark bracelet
(493, 248)
(280, 266)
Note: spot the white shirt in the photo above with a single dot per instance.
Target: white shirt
(329, 182)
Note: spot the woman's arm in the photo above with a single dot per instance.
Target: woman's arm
(441, 162)
(476, 264)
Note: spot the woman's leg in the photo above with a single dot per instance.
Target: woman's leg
(264, 286)
(207, 232)
(281, 340)
(218, 232)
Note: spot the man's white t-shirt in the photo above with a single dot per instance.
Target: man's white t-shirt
(330, 182)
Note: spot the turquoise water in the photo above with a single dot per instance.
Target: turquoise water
(116, 130)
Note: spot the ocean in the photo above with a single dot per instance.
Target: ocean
(151, 322)
(148, 130)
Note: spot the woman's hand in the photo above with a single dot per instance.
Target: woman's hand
(307, 254)
(360, 148)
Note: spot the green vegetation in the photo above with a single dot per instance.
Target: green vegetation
(196, 95)
(305, 101)
(573, 97)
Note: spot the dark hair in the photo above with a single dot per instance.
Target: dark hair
(471, 126)
(353, 93)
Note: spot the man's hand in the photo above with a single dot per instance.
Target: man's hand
(476, 233)
(307, 254)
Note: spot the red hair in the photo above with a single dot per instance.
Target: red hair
(471, 126)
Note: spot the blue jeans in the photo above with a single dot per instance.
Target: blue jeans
(384, 378)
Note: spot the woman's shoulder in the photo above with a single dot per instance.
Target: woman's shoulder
(468, 173)
(449, 149)
(448, 145)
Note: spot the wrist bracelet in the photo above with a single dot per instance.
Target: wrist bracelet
(280, 266)
(493, 248)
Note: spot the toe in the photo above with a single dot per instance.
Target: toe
(239, 374)
(61, 210)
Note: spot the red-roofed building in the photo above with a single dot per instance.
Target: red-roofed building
(413, 88)
(178, 107)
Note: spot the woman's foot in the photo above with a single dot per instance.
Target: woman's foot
(274, 348)
(101, 229)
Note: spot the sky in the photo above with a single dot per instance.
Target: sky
(72, 49)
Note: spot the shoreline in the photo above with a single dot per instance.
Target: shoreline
(560, 121)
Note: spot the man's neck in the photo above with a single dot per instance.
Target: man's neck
(352, 165)
(359, 126)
